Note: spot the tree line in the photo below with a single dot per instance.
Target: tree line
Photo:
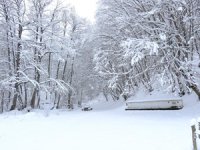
(51, 56)
(148, 43)
(41, 43)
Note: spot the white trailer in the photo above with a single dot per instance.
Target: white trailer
(172, 104)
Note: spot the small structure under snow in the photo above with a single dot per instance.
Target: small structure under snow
(173, 104)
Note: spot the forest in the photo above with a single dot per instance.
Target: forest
(49, 55)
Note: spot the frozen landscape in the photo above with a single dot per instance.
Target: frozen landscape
(59, 55)
(108, 126)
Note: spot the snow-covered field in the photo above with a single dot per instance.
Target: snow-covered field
(107, 127)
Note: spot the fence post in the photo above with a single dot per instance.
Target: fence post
(194, 137)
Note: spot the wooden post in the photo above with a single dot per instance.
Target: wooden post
(194, 137)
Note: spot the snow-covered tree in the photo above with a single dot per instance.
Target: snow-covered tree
(40, 44)
(143, 39)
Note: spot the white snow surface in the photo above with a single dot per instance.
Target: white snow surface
(107, 127)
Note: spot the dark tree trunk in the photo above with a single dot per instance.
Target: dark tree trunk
(25, 96)
(33, 99)
(196, 90)
(2, 102)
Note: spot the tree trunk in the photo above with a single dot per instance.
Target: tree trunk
(81, 99)
(16, 97)
(70, 105)
(196, 90)
(58, 68)
(38, 98)
(64, 70)
(18, 59)
(25, 96)
(33, 99)
(58, 103)
(2, 102)
(49, 65)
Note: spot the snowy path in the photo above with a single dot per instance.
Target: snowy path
(114, 129)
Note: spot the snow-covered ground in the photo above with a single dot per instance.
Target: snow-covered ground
(107, 127)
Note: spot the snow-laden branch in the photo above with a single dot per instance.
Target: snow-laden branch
(137, 49)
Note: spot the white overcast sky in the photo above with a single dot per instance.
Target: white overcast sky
(84, 8)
